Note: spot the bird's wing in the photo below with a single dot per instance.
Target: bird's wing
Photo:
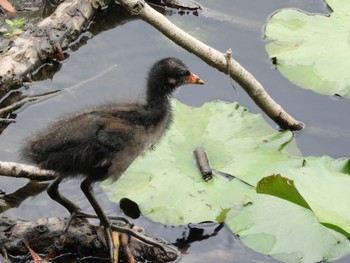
(113, 133)
(79, 140)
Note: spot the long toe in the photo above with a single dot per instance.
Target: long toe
(73, 216)
(122, 220)
(110, 244)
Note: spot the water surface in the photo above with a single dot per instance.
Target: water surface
(110, 63)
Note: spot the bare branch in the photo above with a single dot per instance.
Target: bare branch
(25, 171)
(215, 59)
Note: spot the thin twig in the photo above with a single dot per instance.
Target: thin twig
(84, 82)
(228, 56)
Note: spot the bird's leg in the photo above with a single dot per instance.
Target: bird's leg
(86, 187)
(53, 192)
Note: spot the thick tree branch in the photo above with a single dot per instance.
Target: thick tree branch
(25, 171)
(214, 58)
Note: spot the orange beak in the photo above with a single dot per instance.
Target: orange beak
(193, 79)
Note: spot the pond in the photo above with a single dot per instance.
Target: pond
(110, 62)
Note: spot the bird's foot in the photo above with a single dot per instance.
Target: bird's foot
(130, 230)
(80, 214)
(72, 216)
(123, 221)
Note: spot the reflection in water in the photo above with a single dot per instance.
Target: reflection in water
(197, 232)
(31, 189)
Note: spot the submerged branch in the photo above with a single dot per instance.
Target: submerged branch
(215, 59)
(18, 104)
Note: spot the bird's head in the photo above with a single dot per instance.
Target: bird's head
(167, 74)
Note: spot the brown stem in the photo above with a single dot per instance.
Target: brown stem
(124, 240)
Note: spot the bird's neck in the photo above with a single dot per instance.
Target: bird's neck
(157, 100)
(157, 92)
(157, 104)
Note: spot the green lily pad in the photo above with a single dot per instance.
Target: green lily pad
(285, 231)
(310, 50)
(323, 187)
(236, 142)
(167, 186)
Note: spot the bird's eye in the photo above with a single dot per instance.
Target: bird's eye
(184, 73)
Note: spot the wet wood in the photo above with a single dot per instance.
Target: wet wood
(45, 41)
(46, 236)
(38, 43)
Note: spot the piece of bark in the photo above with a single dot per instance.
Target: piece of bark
(83, 239)
(203, 164)
(223, 62)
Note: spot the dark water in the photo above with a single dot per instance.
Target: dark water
(113, 65)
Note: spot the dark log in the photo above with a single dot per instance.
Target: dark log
(47, 236)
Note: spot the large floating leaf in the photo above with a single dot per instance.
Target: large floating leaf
(286, 231)
(312, 50)
(167, 185)
(324, 186)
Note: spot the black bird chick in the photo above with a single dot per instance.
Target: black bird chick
(102, 142)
